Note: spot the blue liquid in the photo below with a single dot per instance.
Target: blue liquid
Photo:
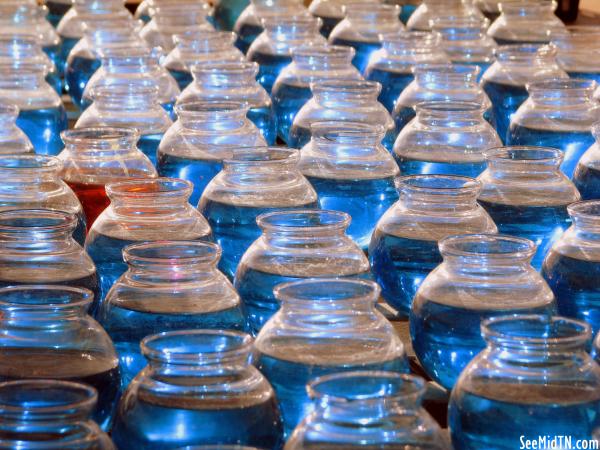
(484, 422)
(446, 338)
(246, 36)
(364, 50)
(501, 41)
(576, 286)
(183, 78)
(400, 265)
(392, 85)
(234, 228)
(289, 380)
(56, 11)
(287, 101)
(77, 75)
(542, 224)
(226, 13)
(506, 99)
(300, 136)
(81, 229)
(145, 18)
(573, 143)
(197, 171)
(365, 200)
(587, 181)
(158, 423)
(417, 166)
(402, 116)
(66, 46)
(329, 23)
(270, 66)
(53, 79)
(43, 128)
(407, 11)
(148, 144)
(169, 107)
(586, 75)
(264, 119)
(54, 52)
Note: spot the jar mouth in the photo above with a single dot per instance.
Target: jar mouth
(200, 346)
(210, 109)
(524, 52)
(418, 39)
(305, 220)
(441, 108)
(342, 87)
(36, 221)
(439, 184)
(586, 209)
(226, 67)
(44, 296)
(562, 87)
(262, 156)
(522, 154)
(519, 6)
(328, 290)
(149, 189)
(346, 132)
(109, 138)
(456, 26)
(366, 387)
(129, 53)
(451, 72)
(485, 246)
(199, 36)
(125, 90)
(172, 253)
(368, 11)
(8, 110)
(30, 163)
(272, 22)
(309, 51)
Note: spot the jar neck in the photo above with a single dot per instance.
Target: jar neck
(204, 42)
(257, 171)
(291, 29)
(374, 16)
(151, 198)
(351, 93)
(219, 117)
(114, 99)
(411, 43)
(518, 162)
(586, 220)
(355, 141)
(432, 194)
(170, 20)
(325, 58)
(527, 9)
(526, 56)
(448, 77)
(174, 272)
(102, 142)
(567, 93)
(122, 63)
(224, 76)
(29, 171)
(98, 6)
(449, 115)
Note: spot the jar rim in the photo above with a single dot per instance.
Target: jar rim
(150, 188)
(303, 220)
(585, 209)
(446, 106)
(347, 86)
(212, 106)
(328, 290)
(410, 36)
(524, 154)
(324, 50)
(487, 245)
(40, 220)
(25, 162)
(346, 129)
(229, 67)
(512, 52)
(261, 156)
(108, 135)
(35, 296)
(565, 85)
(439, 184)
(172, 252)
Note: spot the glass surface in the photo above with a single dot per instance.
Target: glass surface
(12, 139)
(587, 172)
(422, 18)
(578, 51)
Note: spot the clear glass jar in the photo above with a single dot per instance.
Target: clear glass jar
(526, 22)
(429, 10)
(534, 379)
(233, 81)
(579, 51)
(361, 29)
(140, 211)
(440, 82)
(572, 266)
(342, 101)
(294, 245)
(46, 333)
(169, 285)
(123, 65)
(272, 49)
(129, 105)
(48, 414)
(404, 246)
(12, 139)
(205, 134)
(481, 276)
(94, 157)
(515, 67)
(331, 12)
(324, 326)
(392, 66)
(587, 172)
(42, 116)
(465, 41)
(199, 47)
(310, 63)
(248, 25)
(251, 183)
(527, 195)
(445, 138)
(352, 172)
(199, 387)
(558, 114)
(381, 408)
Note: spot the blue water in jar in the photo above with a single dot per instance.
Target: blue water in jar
(587, 182)
(56, 11)
(585, 75)
(364, 50)
(148, 144)
(329, 23)
(246, 36)
(53, 79)
(54, 53)
(405, 114)
(407, 11)
(400, 265)
(576, 286)
(43, 128)
(183, 77)
(410, 166)
(77, 75)
(264, 119)
(287, 101)
(67, 44)
(506, 99)
(572, 143)
(392, 85)
(81, 228)
(197, 171)
(365, 200)
(300, 136)
(269, 67)
(169, 107)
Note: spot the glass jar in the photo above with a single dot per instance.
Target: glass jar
(123, 65)
(572, 265)
(46, 333)
(596, 355)
(445, 138)
(199, 387)
(248, 25)
(57, 9)
(233, 81)
(48, 414)
(324, 326)
(42, 116)
(361, 29)
(515, 67)
(440, 82)
(143, 11)
(534, 380)
(525, 22)
(527, 195)
(381, 408)
(205, 134)
(199, 47)
(392, 66)
(579, 51)
(331, 12)
(430, 10)
(94, 157)
(272, 49)
(481, 276)
(129, 105)
(559, 114)
(352, 172)
(251, 183)
(310, 63)
(294, 245)
(140, 211)
(169, 285)
(12, 139)
(404, 246)
(587, 172)
(489, 8)
(342, 101)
